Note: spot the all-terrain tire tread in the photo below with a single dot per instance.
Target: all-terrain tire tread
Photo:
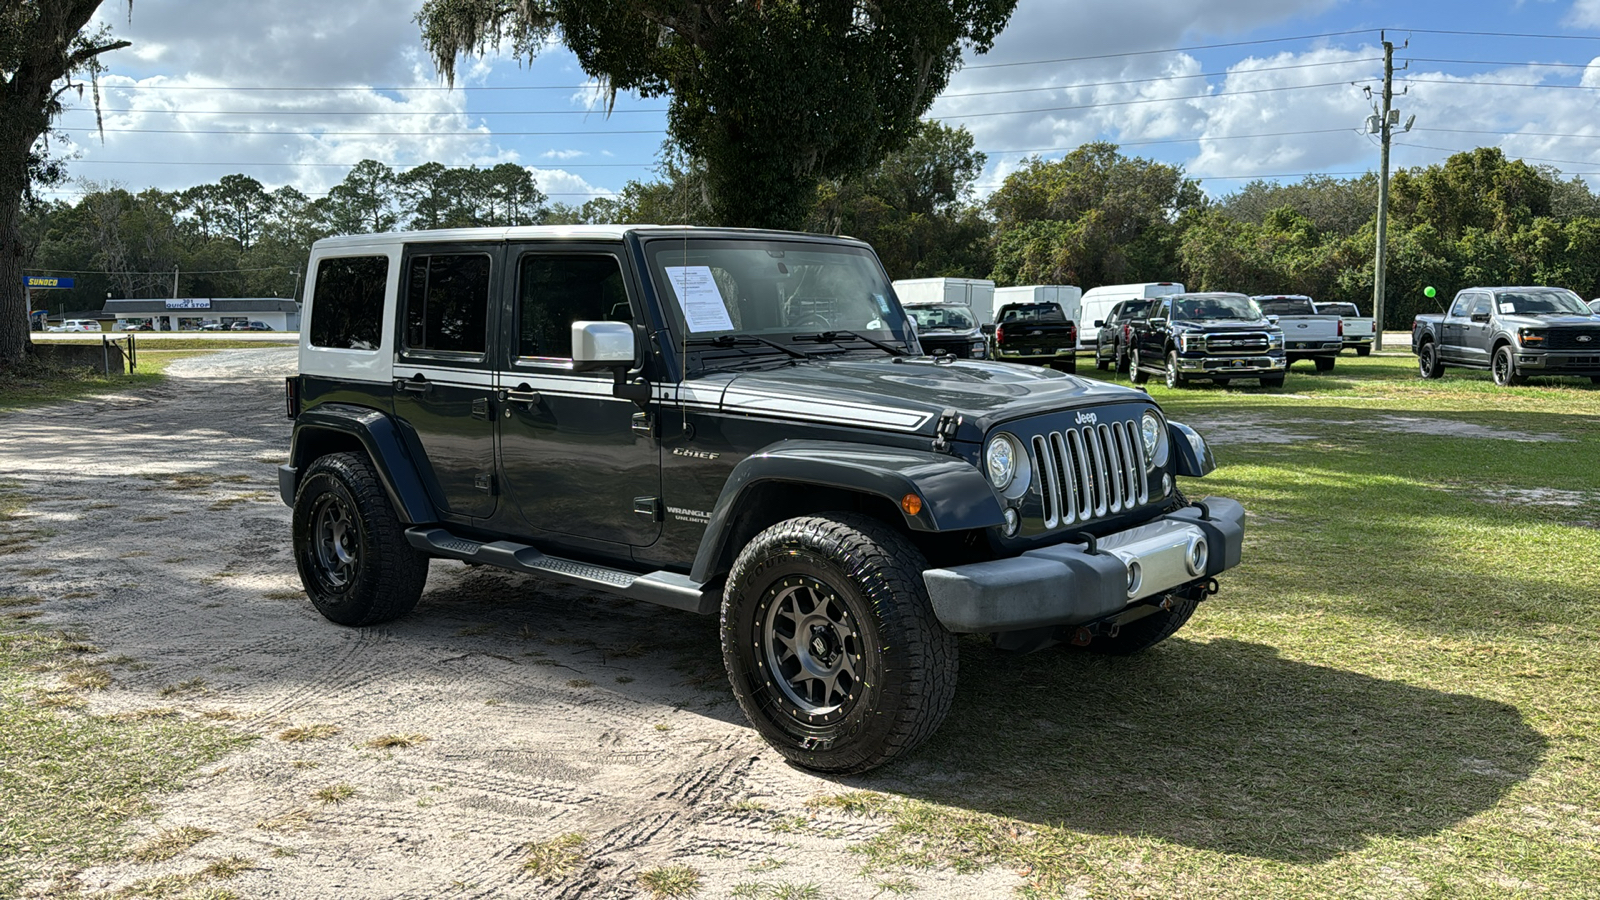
(398, 569)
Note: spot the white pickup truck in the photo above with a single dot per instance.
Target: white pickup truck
(1357, 328)
(1306, 334)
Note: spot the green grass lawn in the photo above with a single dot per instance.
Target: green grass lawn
(1397, 693)
(36, 385)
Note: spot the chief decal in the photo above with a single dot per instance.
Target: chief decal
(695, 454)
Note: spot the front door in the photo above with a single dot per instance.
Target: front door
(443, 375)
(577, 462)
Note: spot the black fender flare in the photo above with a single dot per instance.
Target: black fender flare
(1190, 452)
(379, 436)
(955, 495)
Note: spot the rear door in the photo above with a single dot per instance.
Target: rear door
(581, 465)
(443, 377)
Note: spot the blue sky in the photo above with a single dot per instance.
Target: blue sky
(301, 90)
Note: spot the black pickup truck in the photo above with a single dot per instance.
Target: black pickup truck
(1217, 336)
(1036, 333)
(1513, 332)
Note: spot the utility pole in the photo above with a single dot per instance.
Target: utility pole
(1387, 117)
(175, 268)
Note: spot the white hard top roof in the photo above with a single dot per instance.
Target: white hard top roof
(550, 232)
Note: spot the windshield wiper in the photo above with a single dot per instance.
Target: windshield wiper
(732, 340)
(832, 337)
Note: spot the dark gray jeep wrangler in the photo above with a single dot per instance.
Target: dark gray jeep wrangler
(732, 422)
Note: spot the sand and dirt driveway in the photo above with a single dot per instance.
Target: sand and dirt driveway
(533, 710)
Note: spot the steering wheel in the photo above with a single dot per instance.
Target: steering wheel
(813, 319)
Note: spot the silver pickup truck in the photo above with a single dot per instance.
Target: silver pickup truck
(1306, 334)
(1357, 328)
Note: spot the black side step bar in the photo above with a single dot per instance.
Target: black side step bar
(662, 588)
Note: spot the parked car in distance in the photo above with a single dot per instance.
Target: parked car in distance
(1306, 334)
(949, 329)
(214, 326)
(734, 423)
(1036, 333)
(251, 326)
(1513, 332)
(1358, 329)
(1096, 303)
(1219, 336)
(77, 325)
(1113, 332)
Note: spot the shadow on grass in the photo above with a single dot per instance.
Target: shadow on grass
(1221, 746)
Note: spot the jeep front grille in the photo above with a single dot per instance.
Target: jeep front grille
(1090, 472)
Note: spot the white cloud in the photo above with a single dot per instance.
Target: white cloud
(565, 187)
(562, 154)
(1584, 14)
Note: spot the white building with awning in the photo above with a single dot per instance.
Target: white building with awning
(195, 313)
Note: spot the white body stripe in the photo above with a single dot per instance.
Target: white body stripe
(858, 415)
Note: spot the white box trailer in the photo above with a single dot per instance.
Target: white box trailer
(1097, 303)
(975, 293)
(1066, 296)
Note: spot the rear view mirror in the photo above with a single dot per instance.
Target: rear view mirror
(602, 345)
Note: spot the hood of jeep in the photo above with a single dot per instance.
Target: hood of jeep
(910, 395)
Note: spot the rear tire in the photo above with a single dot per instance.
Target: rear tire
(1363, 351)
(1325, 363)
(831, 644)
(1122, 360)
(1272, 381)
(1428, 365)
(350, 547)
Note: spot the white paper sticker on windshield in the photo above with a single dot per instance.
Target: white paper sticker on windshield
(1508, 307)
(699, 298)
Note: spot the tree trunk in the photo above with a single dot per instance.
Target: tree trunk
(14, 338)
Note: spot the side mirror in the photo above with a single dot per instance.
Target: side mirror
(987, 329)
(602, 345)
(1480, 317)
(1272, 319)
(1099, 323)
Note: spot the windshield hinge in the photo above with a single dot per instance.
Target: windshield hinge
(945, 431)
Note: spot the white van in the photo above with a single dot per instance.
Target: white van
(1097, 303)
(976, 294)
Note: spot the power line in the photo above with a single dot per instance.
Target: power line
(1492, 62)
(166, 273)
(1184, 99)
(239, 133)
(1570, 162)
(1525, 84)
(1553, 134)
(1040, 62)
(1503, 34)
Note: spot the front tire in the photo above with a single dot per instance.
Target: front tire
(1136, 374)
(1175, 377)
(1325, 363)
(1272, 381)
(831, 644)
(350, 547)
(1504, 367)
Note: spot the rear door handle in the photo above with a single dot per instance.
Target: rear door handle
(415, 384)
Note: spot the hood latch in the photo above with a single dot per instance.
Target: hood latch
(945, 432)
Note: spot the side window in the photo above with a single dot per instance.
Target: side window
(347, 304)
(1458, 310)
(1162, 310)
(447, 304)
(1480, 304)
(555, 290)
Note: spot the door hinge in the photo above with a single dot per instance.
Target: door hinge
(643, 425)
(649, 507)
(484, 481)
(480, 409)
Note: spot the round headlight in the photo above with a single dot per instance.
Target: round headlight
(1000, 460)
(1154, 433)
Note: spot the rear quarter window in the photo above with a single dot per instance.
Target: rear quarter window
(347, 302)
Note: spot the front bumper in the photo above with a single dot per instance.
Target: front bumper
(1065, 584)
(1231, 365)
(1559, 362)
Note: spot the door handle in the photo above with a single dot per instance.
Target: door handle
(415, 384)
(524, 394)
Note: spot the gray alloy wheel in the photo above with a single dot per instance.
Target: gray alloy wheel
(1175, 378)
(810, 641)
(1504, 367)
(1138, 375)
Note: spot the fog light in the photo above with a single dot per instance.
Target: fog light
(1166, 483)
(1013, 522)
(1198, 553)
(1135, 576)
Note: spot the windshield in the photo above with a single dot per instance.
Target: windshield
(1286, 306)
(1214, 306)
(778, 289)
(1541, 302)
(942, 318)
